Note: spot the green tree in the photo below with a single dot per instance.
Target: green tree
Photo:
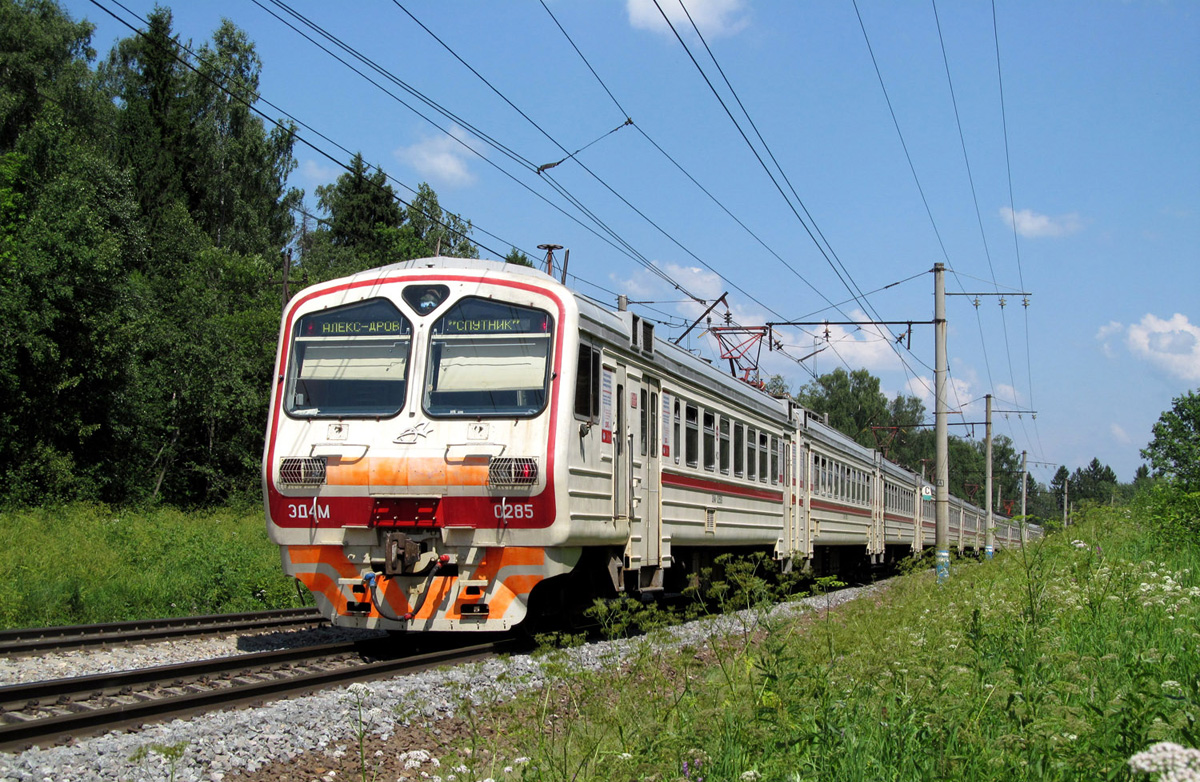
(237, 170)
(518, 258)
(851, 400)
(1096, 482)
(1174, 450)
(69, 237)
(1060, 485)
(437, 231)
(145, 78)
(362, 208)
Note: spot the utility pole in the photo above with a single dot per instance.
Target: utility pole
(989, 546)
(1024, 475)
(941, 436)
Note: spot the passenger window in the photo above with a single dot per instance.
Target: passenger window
(675, 445)
(692, 435)
(349, 362)
(739, 450)
(751, 454)
(762, 456)
(644, 419)
(587, 384)
(723, 446)
(489, 358)
(710, 441)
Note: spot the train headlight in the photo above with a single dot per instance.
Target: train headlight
(302, 471)
(512, 472)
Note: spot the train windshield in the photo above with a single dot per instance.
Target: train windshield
(349, 361)
(489, 358)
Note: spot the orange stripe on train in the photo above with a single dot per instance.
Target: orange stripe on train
(395, 471)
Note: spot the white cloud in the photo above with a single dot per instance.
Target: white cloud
(440, 159)
(959, 391)
(715, 18)
(313, 173)
(1172, 345)
(1034, 226)
(1120, 435)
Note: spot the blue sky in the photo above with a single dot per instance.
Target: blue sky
(1080, 180)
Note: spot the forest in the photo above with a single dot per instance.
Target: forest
(148, 235)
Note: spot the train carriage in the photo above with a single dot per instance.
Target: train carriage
(451, 438)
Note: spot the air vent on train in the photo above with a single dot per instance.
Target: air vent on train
(642, 335)
(305, 471)
(512, 472)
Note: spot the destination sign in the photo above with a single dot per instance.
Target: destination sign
(374, 318)
(488, 326)
(481, 316)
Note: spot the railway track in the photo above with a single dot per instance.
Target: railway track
(56, 711)
(14, 643)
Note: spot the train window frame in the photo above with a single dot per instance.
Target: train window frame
(678, 424)
(763, 442)
(489, 331)
(653, 411)
(709, 440)
(774, 460)
(751, 453)
(587, 384)
(345, 348)
(691, 435)
(723, 445)
(739, 449)
(644, 418)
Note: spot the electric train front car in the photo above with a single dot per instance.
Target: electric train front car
(409, 471)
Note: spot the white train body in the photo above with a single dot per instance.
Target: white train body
(445, 435)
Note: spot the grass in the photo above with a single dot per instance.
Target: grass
(1059, 662)
(84, 563)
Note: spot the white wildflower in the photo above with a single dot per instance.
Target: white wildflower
(750, 776)
(358, 691)
(1177, 763)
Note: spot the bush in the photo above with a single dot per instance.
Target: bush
(1171, 510)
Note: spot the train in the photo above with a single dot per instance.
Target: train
(452, 441)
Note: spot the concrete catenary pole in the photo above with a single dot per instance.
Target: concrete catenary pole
(942, 460)
(989, 546)
(1024, 494)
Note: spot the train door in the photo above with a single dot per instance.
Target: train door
(647, 461)
(612, 393)
(878, 537)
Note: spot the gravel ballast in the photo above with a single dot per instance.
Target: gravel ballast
(222, 745)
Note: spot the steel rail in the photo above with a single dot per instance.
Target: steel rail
(40, 639)
(61, 729)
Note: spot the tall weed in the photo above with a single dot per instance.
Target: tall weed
(82, 563)
(1059, 662)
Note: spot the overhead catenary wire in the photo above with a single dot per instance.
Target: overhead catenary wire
(258, 97)
(616, 240)
(1012, 213)
(825, 249)
(597, 178)
(974, 194)
(671, 159)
